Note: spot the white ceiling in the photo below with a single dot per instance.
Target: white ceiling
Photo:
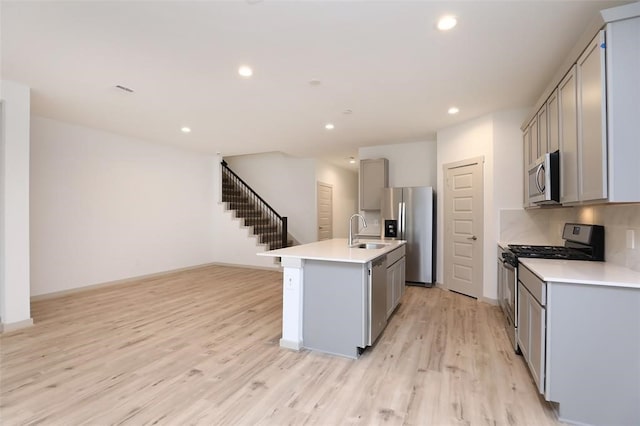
(386, 61)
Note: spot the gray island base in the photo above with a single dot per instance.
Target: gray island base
(334, 310)
(335, 296)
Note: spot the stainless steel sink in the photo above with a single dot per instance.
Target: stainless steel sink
(370, 246)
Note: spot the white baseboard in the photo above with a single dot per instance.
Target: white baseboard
(484, 299)
(489, 300)
(289, 344)
(275, 267)
(5, 328)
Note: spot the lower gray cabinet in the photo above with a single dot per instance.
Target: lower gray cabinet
(524, 335)
(532, 324)
(581, 343)
(395, 283)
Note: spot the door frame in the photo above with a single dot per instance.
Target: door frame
(318, 184)
(448, 243)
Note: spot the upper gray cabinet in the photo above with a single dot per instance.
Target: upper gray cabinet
(592, 122)
(553, 122)
(543, 132)
(526, 159)
(567, 99)
(593, 117)
(623, 109)
(374, 175)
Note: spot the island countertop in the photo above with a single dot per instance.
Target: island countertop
(336, 250)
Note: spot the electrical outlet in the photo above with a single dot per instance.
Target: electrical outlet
(631, 239)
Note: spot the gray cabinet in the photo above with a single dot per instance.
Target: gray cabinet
(580, 344)
(623, 109)
(374, 176)
(543, 132)
(592, 138)
(526, 160)
(537, 318)
(523, 321)
(532, 324)
(396, 262)
(332, 324)
(567, 98)
(534, 144)
(592, 118)
(602, 165)
(401, 278)
(553, 122)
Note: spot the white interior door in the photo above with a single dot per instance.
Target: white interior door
(463, 224)
(325, 211)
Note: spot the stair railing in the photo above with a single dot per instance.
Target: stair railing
(246, 198)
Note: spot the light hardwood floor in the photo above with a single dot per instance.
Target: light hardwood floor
(201, 347)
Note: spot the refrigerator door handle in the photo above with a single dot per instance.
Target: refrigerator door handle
(400, 220)
(403, 218)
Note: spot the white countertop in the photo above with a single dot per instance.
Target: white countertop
(335, 250)
(583, 272)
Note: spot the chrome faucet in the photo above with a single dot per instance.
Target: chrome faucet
(364, 224)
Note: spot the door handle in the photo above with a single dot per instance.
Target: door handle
(472, 238)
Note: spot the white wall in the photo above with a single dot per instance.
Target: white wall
(107, 207)
(469, 140)
(410, 164)
(235, 243)
(14, 213)
(508, 159)
(497, 138)
(288, 184)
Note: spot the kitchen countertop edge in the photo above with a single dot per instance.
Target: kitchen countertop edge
(583, 272)
(335, 250)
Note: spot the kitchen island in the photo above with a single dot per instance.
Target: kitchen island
(336, 297)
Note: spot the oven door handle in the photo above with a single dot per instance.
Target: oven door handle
(508, 265)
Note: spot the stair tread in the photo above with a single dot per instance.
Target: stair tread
(243, 203)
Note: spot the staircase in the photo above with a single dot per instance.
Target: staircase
(267, 224)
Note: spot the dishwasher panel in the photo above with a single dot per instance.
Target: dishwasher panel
(378, 300)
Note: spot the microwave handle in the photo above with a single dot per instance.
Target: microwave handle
(540, 169)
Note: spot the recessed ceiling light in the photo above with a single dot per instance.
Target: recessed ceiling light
(314, 82)
(352, 160)
(185, 129)
(245, 71)
(453, 110)
(347, 112)
(329, 126)
(447, 22)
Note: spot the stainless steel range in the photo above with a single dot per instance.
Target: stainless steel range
(581, 242)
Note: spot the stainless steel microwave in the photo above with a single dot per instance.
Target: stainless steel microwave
(544, 179)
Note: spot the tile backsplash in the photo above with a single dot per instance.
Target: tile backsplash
(544, 226)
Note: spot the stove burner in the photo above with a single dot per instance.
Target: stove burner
(549, 252)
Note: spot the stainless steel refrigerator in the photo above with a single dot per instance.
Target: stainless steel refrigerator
(408, 214)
